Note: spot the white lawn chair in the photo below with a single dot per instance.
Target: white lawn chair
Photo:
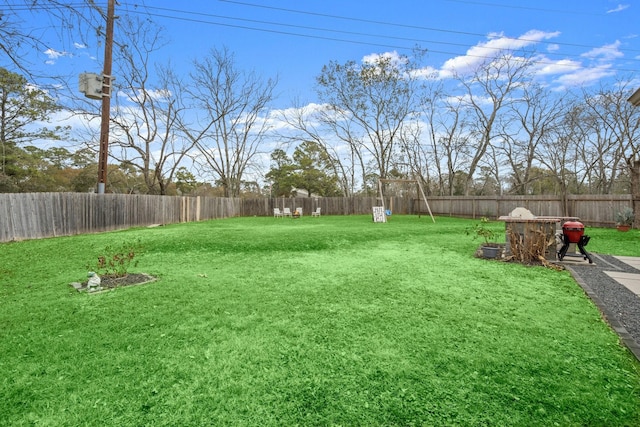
(299, 210)
(287, 212)
(316, 213)
(277, 213)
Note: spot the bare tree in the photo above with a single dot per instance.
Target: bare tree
(454, 140)
(598, 154)
(415, 157)
(559, 152)
(370, 104)
(430, 153)
(231, 124)
(70, 21)
(447, 146)
(488, 91)
(347, 137)
(622, 119)
(534, 117)
(148, 110)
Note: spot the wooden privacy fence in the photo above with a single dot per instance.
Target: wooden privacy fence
(593, 210)
(328, 205)
(38, 215)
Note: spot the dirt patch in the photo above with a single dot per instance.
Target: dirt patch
(112, 282)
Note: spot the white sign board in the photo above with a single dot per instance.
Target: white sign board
(378, 214)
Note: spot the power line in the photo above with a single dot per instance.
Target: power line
(21, 7)
(173, 14)
(201, 21)
(304, 27)
(415, 27)
(319, 37)
(45, 7)
(415, 40)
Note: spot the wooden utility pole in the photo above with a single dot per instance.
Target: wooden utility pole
(106, 100)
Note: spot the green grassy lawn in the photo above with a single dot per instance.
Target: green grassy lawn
(314, 321)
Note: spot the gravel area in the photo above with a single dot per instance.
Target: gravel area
(619, 305)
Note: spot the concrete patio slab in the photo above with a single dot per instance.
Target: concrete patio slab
(632, 261)
(629, 280)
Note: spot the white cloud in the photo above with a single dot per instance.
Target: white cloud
(426, 73)
(497, 44)
(553, 48)
(619, 8)
(305, 111)
(54, 55)
(584, 77)
(480, 100)
(607, 52)
(280, 119)
(544, 66)
(394, 57)
(595, 65)
(79, 45)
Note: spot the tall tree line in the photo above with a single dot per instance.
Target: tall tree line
(209, 121)
(492, 130)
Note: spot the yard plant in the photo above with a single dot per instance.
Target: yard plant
(484, 230)
(116, 260)
(314, 321)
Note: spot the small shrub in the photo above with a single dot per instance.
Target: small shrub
(116, 260)
(481, 230)
(625, 216)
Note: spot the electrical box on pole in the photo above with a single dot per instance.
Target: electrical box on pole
(90, 85)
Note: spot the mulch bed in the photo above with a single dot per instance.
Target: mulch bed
(111, 282)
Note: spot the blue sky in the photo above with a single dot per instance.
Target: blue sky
(579, 43)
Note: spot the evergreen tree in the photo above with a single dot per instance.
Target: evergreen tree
(22, 108)
(281, 174)
(313, 171)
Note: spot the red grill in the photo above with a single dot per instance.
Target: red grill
(573, 233)
(574, 230)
